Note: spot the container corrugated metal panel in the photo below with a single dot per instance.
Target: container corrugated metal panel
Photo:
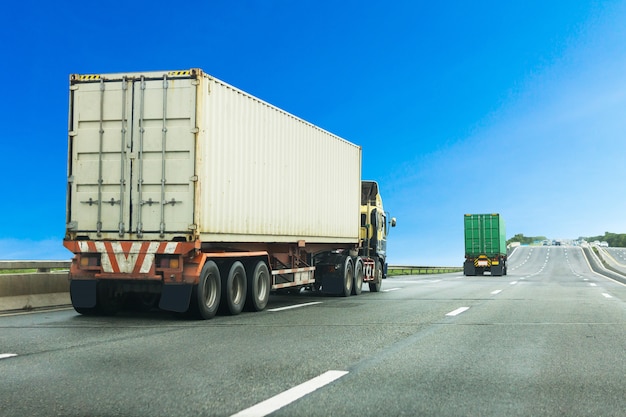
(268, 175)
(484, 235)
(161, 155)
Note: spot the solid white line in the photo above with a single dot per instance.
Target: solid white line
(294, 306)
(513, 282)
(392, 289)
(592, 284)
(287, 397)
(7, 355)
(496, 292)
(457, 311)
(607, 295)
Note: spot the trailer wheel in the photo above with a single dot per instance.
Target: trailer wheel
(348, 277)
(378, 273)
(206, 295)
(258, 288)
(234, 289)
(358, 277)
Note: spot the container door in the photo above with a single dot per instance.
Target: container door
(100, 140)
(132, 170)
(163, 150)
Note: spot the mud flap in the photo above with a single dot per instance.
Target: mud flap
(469, 269)
(175, 297)
(497, 270)
(83, 293)
(331, 284)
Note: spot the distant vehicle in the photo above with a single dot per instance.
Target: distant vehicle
(485, 245)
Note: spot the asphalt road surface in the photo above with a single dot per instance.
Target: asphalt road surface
(548, 339)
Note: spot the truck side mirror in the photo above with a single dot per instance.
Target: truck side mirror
(393, 222)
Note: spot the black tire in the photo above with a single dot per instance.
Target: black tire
(234, 288)
(258, 287)
(348, 277)
(378, 282)
(205, 297)
(358, 277)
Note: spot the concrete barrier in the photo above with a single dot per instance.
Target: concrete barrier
(33, 284)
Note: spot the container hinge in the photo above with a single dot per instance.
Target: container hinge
(72, 133)
(195, 130)
(192, 227)
(72, 225)
(194, 178)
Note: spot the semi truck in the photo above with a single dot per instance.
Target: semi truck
(190, 195)
(485, 245)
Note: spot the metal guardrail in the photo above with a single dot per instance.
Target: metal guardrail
(420, 270)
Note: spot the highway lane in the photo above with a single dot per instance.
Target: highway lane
(547, 339)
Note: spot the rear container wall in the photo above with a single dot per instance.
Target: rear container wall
(484, 235)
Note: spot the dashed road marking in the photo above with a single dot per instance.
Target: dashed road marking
(287, 397)
(457, 311)
(7, 355)
(294, 306)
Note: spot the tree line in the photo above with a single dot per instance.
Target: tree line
(615, 240)
(525, 240)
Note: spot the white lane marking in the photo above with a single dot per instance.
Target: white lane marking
(457, 311)
(284, 398)
(392, 289)
(294, 306)
(513, 282)
(7, 355)
(607, 295)
(591, 284)
(496, 292)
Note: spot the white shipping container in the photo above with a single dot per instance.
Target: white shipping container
(180, 154)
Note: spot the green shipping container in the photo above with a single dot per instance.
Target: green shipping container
(485, 234)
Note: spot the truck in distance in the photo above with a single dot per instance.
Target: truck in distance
(189, 194)
(485, 245)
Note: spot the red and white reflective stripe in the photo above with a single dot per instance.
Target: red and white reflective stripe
(127, 257)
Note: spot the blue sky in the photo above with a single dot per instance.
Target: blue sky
(461, 107)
